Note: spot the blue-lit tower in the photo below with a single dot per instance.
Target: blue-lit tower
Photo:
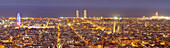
(18, 19)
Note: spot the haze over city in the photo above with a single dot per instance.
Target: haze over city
(59, 8)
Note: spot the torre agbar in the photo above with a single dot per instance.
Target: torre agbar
(18, 20)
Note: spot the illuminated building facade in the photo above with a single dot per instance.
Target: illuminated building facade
(85, 14)
(156, 14)
(77, 13)
(18, 20)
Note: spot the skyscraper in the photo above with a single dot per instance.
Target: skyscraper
(156, 14)
(18, 20)
(77, 13)
(85, 14)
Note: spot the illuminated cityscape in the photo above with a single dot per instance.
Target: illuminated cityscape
(87, 32)
(85, 24)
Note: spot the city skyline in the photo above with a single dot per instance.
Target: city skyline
(84, 23)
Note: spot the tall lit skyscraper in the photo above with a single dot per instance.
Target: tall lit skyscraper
(18, 20)
(77, 13)
(156, 14)
(85, 14)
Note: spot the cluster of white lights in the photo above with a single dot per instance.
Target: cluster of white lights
(117, 17)
(160, 17)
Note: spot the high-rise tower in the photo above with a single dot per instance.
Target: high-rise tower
(85, 14)
(18, 20)
(77, 13)
(156, 14)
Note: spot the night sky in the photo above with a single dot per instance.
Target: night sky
(66, 8)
